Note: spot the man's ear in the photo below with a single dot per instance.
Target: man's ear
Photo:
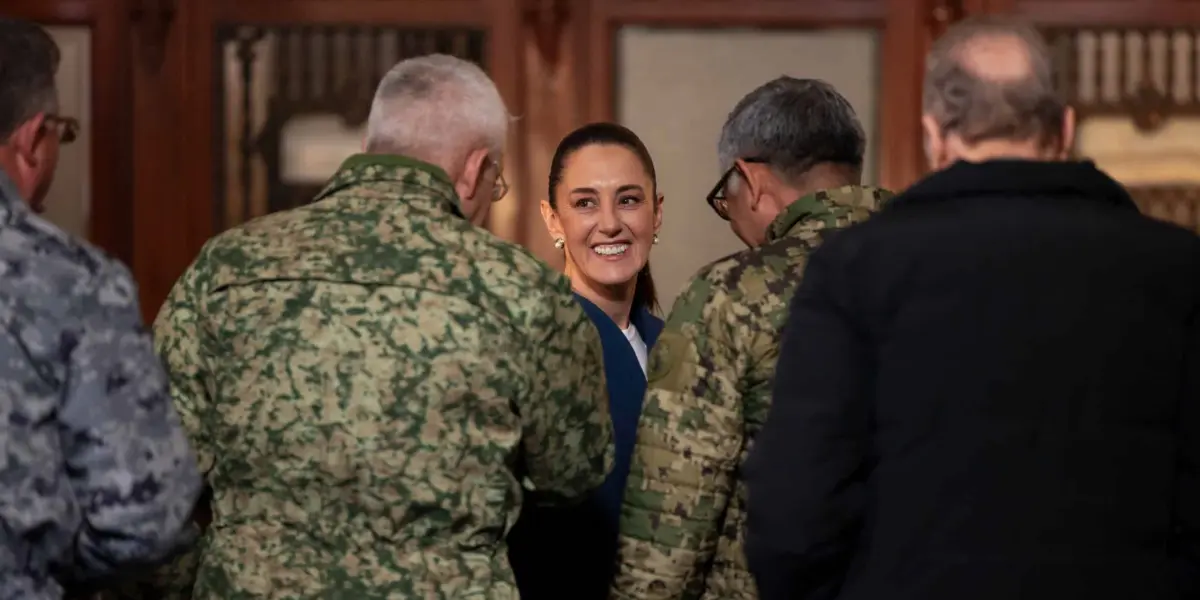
(468, 182)
(1068, 133)
(550, 218)
(25, 139)
(935, 142)
(753, 178)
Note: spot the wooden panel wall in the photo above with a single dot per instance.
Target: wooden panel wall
(153, 96)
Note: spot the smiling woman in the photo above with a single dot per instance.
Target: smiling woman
(604, 212)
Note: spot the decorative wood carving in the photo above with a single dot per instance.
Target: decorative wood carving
(1179, 205)
(548, 19)
(943, 14)
(1151, 86)
(152, 21)
(1147, 76)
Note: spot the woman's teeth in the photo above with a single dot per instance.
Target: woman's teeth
(611, 249)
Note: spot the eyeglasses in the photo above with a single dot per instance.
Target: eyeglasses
(716, 198)
(501, 188)
(66, 128)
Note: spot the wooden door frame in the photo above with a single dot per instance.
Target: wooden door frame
(904, 25)
(1100, 13)
(110, 210)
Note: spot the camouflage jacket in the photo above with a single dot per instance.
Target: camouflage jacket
(366, 378)
(97, 475)
(709, 388)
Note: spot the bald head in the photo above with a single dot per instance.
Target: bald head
(993, 79)
(997, 58)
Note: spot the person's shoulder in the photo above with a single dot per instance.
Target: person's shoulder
(512, 263)
(743, 278)
(41, 262)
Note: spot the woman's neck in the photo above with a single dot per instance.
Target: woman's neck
(615, 300)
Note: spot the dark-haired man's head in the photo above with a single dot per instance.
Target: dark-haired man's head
(31, 129)
(989, 93)
(784, 140)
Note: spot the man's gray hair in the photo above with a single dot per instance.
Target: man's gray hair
(28, 62)
(436, 108)
(792, 125)
(977, 106)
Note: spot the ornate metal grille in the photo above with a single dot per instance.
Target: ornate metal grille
(1150, 77)
(269, 79)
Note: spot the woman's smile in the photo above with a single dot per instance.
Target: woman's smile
(611, 251)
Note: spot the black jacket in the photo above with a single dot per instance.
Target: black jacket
(989, 391)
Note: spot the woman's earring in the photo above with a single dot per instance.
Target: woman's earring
(656, 238)
(559, 243)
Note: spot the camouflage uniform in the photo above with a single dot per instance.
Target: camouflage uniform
(97, 474)
(709, 388)
(366, 379)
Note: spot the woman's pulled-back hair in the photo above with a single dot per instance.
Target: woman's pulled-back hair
(609, 134)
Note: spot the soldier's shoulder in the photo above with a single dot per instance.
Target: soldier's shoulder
(265, 229)
(771, 269)
(529, 288)
(37, 257)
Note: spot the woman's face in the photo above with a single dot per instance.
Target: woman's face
(606, 213)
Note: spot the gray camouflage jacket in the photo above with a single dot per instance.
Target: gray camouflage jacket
(97, 474)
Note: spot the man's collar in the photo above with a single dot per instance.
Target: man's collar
(1016, 177)
(828, 205)
(367, 168)
(10, 197)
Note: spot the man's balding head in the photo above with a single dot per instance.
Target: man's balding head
(991, 82)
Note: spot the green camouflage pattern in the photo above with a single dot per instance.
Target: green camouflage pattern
(366, 380)
(709, 389)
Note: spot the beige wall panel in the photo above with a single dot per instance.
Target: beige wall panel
(69, 202)
(675, 88)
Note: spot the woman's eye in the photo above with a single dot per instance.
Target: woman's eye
(585, 203)
(630, 200)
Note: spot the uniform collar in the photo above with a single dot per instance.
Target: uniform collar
(11, 201)
(392, 168)
(1016, 177)
(829, 206)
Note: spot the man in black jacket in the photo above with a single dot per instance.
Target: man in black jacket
(992, 389)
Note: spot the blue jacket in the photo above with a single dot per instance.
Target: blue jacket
(626, 389)
(569, 552)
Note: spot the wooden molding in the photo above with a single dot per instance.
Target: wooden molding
(417, 13)
(152, 21)
(547, 20)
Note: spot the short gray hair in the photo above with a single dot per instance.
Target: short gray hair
(28, 62)
(976, 107)
(435, 108)
(793, 124)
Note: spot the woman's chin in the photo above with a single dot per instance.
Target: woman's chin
(607, 271)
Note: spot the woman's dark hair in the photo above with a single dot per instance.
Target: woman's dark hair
(610, 134)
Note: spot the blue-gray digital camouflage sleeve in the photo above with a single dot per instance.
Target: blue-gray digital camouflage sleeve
(127, 457)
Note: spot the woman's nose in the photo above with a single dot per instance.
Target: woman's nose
(610, 222)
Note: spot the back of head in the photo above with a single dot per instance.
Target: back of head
(992, 79)
(436, 108)
(28, 62)
(787, 139)
(28, 102)
(793, 125)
